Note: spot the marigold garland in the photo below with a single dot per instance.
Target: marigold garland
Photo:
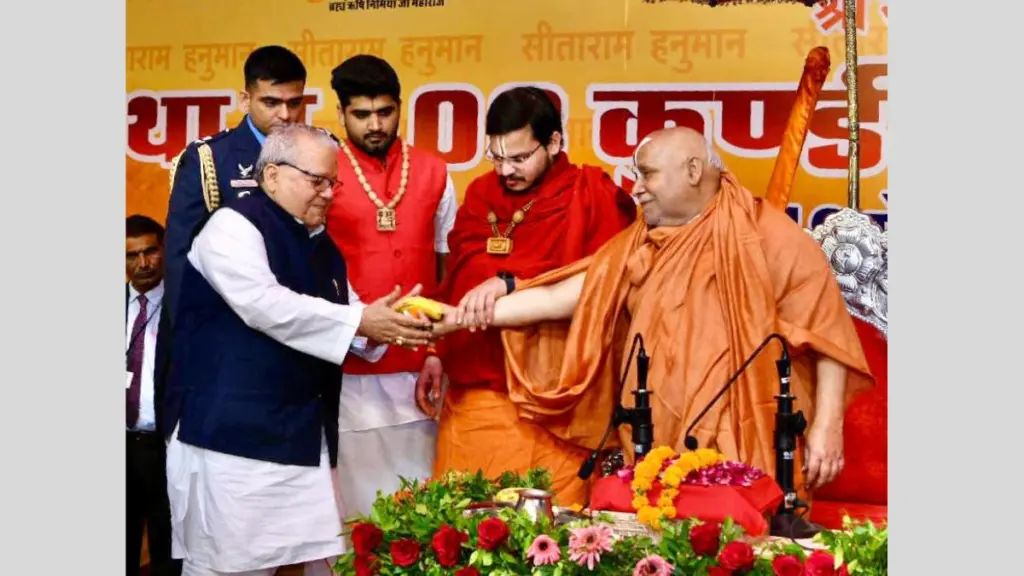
(648, 472)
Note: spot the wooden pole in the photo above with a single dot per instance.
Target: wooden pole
(853, 180)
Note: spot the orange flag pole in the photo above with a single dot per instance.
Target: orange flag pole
(816, 68)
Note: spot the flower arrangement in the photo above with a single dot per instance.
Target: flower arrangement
(662, 471)
(423, 530)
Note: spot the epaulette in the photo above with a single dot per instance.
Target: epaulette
(215, 137)
(208, 176)
(207, 169)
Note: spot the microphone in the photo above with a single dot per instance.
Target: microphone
(640, 417)
(788, 427)
(690, 441)
(642, 424)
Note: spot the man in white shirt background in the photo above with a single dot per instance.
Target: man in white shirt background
(265, 317)
(146, 483)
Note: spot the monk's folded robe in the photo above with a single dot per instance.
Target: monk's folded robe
(703, 296)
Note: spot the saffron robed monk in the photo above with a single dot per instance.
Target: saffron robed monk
(706, 275)
(536, 212)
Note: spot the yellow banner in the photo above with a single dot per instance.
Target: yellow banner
(618, 68)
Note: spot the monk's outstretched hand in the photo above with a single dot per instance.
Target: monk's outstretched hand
(476, 309)
(449, 321)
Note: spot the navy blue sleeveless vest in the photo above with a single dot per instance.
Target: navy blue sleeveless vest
(240, 391)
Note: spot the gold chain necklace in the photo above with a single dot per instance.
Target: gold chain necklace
(385, 214)
(501, 244)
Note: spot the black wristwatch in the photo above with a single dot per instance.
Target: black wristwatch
(510, 281)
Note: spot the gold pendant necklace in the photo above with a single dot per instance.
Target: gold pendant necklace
(500, 244)
(385, 214)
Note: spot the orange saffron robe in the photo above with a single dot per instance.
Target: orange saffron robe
(703, 296)
(577, 209)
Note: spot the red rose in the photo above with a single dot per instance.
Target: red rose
(704, 539)
(405, 552)
(366, 565)
(447, 545)
(737, 556)
(467, 571)
(492, 533)
(820, 563)
(366, 538)
(787, 566)
(842, 571)
(718, 571)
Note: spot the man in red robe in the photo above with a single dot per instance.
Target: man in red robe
(534, 213)
(394, 206)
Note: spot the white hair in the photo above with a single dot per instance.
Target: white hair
(281, 144)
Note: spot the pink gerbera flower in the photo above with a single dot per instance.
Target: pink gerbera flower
(586, 544)
(653, 565)
(543, 551)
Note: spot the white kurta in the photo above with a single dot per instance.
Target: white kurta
(233, 514)
(382, 433)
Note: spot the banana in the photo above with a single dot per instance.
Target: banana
(433, 309)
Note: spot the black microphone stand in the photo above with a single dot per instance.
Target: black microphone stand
(788, 427)
(638, 417)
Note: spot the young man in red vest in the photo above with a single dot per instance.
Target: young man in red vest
(393, 208)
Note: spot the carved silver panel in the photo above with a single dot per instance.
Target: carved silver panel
(858, 251)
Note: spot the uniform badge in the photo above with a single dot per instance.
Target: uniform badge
(244, 171)
(244, 183)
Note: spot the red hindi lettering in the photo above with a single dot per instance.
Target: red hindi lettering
(830, 124)
(830, 16)
(883, 7)
(753, 121)
(448, 120)
(619, 130)
(158, 122)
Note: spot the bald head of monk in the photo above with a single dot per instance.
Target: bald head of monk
(677, 175)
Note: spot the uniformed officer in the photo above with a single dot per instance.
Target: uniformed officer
(219, 169)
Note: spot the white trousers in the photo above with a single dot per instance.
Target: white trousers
(372, 460)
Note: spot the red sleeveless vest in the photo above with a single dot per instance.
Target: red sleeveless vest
(377, 261)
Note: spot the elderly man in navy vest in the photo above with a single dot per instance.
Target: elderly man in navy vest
(219, 170)
(265, 317)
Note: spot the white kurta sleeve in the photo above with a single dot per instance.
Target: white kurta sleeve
(361, 345)
(230, 254)
(444, 218)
